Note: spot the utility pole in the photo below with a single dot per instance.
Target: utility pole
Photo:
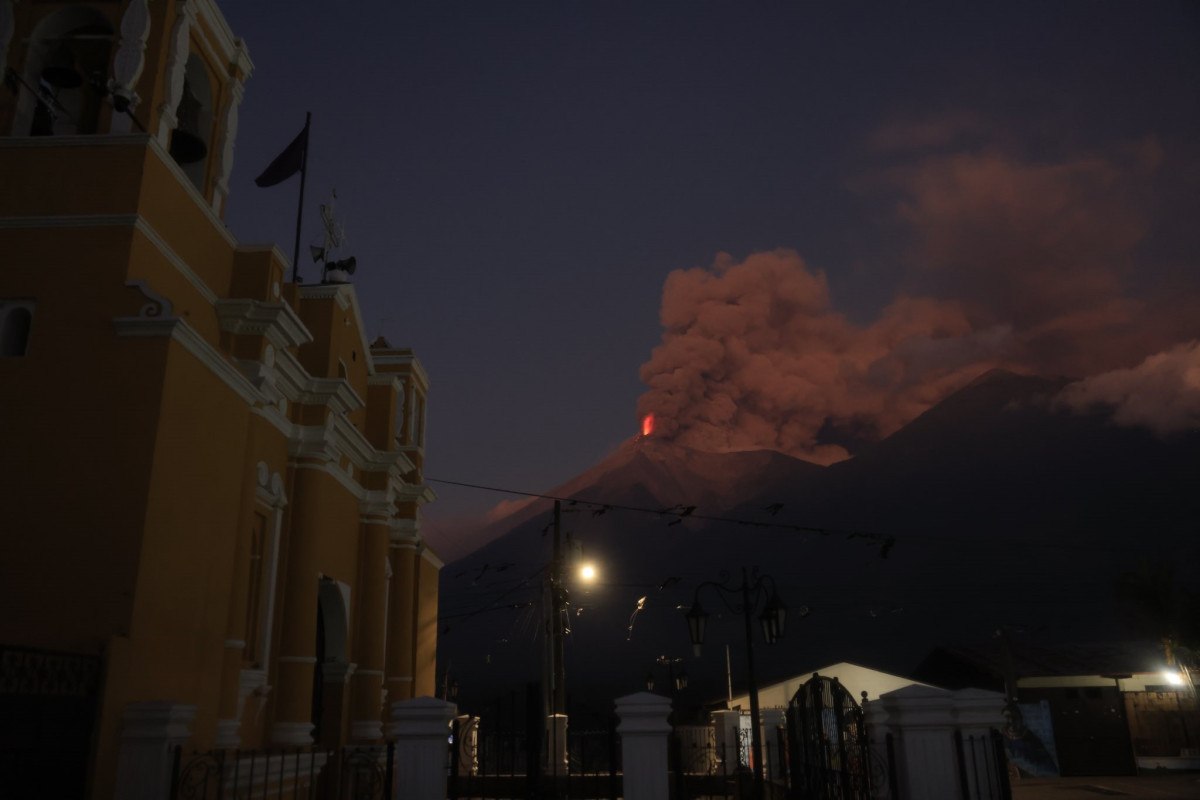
(556, 678)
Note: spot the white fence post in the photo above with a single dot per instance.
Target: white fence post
(421, 728)
(725, 724)
(923, 720)
(644, 730)
(150, 732)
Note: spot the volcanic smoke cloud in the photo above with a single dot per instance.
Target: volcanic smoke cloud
(1028, 266)
(754, 357)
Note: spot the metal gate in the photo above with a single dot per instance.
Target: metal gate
(827, 743)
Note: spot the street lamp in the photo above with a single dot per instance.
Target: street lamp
(749, 592)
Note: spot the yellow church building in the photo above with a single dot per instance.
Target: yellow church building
(210, 480)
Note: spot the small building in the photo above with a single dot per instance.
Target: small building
(1102, 709)
(212, 481)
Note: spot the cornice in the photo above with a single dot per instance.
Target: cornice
(277, 321)
(391, 379)
(336, 393)
(416, 493)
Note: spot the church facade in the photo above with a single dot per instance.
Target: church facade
(211, 478)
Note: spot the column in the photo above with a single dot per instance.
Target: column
(421, 729)
(644, 730)
(298, 635)
(366, 686)
(401, 617)
(150, 732)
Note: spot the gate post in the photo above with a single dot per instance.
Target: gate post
(421, 729)
(150, 732)
(644, 730)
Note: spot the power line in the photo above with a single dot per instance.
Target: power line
(679, 513)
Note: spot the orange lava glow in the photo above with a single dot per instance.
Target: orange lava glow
(647, 425)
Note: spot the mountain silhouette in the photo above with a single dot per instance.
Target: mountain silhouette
(994, 507)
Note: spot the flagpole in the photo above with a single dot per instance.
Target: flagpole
(300, 207)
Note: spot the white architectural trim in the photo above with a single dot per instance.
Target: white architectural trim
(336, 393)
(297, 659)
(431, 557)
(231, 46)
(299, 733)
(331, 468)
(129, 60)
(177, 56)
(405, 358)
(391, 379)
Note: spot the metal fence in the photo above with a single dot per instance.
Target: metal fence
(516, 763)
(311, 773)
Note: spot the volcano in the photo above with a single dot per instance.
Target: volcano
(996, 508)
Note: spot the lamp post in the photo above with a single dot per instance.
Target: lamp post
(745, 601)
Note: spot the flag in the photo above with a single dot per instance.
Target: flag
(287, 163)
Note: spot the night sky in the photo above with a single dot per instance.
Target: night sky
(934, 191)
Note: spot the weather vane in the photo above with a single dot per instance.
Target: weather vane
(334, 271)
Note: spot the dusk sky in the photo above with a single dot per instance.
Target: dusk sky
(879, 201)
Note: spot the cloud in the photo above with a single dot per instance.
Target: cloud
(1162, 393)
(1032, 264)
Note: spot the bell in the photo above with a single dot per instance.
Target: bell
(60, 70)
(186, 146)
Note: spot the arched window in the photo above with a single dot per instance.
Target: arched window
(66, 66)
(15, 322)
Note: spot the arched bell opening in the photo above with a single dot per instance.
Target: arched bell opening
(194, 122)
(65, 74)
